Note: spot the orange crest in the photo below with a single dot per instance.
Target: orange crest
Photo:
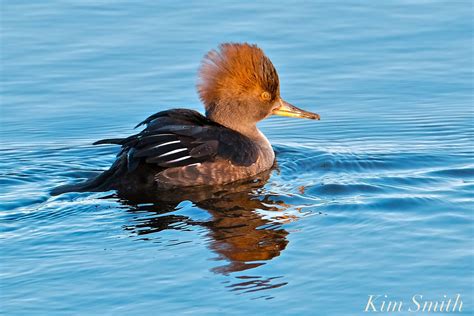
(236, 68)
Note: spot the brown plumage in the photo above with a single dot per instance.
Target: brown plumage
(237, 69)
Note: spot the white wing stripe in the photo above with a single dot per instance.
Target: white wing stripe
(179, 159)
(172, 152)
(194, 164)
(167, 143)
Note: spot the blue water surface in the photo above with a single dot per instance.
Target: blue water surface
(376, 198)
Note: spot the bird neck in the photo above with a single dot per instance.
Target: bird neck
(239, 122)
(226, 115)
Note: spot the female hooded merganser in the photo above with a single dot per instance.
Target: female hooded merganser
(179, 148)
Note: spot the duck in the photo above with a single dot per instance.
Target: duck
(181, 148)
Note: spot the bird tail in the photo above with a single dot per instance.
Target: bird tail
(102, 182)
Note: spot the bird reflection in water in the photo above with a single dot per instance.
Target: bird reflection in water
(239, 232)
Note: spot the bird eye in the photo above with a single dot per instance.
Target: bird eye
(266, 96)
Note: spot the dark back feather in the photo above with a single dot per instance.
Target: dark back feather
(181, 137)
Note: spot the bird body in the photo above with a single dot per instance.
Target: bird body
(187, 149)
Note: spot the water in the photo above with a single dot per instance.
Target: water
(376, 198)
